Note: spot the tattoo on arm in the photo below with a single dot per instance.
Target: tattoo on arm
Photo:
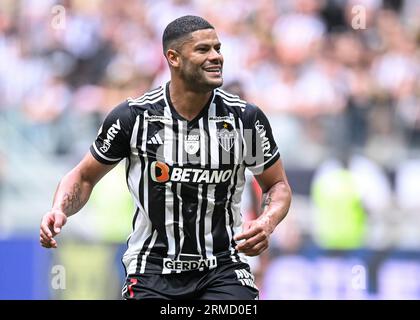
(267, 200)
(268, 197)
(71, 200)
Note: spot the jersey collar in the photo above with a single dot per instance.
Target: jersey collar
(175, 114)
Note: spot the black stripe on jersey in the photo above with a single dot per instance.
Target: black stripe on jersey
(207, 142)
(143, 251)
(235, 183)
(189, 194)
(142, 160)
(127, 169)
(176, 219)
(203, 212)
(156, 194)
(218, 228)
(141, 184)
(175, 191)
(133, 223)
(219, 233)
(232, 192)
(204, 191)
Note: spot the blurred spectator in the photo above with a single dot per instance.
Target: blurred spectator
(408, 200)
(339, 213)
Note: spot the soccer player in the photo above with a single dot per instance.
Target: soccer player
(186, 145)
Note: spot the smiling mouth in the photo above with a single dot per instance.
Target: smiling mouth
(214, 70)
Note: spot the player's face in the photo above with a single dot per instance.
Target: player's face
(201, 61)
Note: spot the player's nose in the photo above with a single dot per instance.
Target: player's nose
(216, 56)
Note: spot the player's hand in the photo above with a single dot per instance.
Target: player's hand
(51, 225)
(256, 234)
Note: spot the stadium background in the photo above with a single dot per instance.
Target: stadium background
(337, 78)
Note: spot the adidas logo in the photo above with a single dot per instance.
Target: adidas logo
(156, 139)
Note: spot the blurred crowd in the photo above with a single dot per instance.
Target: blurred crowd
(337, 73)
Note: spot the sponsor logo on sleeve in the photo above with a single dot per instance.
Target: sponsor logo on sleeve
(265, 142)
(110, 136)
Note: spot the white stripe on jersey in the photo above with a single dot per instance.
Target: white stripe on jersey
(197, 219)
(234, 104)
(181, 220)
(214, 144)
(236, 207)
(169, 219)
(142, 231)
(180, 142)
(169, 196)
(180, 152)
(229, 195)
(150, 98)
(227, 218)
(203, 140)
(146, 174)
(147, 101)
(146, 95)
(142, 226)
(237, 143)
(242, 138)
(229, 97)
(135, 165)
(149, 248)
(236, 199)
(208, 221)
(133, 139)
(145, 183)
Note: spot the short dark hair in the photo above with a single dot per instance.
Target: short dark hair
(182, 27)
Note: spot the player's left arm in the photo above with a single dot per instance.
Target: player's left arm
(277, 195)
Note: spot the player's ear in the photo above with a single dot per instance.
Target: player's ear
(173, 58)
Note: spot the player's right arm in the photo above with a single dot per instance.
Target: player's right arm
(111, 145)
(72, 194)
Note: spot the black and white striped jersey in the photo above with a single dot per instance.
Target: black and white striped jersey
(186, 177)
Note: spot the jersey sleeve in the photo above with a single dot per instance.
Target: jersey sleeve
(113, 141)
(261, 150)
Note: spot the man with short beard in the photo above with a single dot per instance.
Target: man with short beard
(187, 145)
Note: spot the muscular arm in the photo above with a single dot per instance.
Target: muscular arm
(75, 188)
(71, 195)
(277, 194)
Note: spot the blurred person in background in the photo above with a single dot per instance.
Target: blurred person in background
(188, 144)
(340, 216)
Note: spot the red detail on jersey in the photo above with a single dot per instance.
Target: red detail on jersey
(130, 289)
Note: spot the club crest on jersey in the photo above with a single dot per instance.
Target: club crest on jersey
(192, 143)
(226, 137)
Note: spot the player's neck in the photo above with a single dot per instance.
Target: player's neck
(187, 103)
